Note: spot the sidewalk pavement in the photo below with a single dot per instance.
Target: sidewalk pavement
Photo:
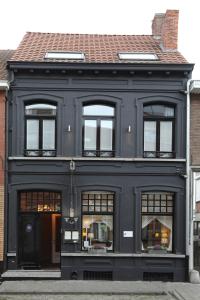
(175, 290)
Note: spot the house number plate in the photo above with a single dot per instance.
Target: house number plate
(127, 234)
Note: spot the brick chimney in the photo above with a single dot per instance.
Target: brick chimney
(165, 29)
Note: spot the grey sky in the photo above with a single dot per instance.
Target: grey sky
(98, 16)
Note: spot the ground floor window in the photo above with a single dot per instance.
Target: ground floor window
(97, 220)
(197, 245)
(157, 221)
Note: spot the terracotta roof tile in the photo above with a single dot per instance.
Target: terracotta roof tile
(97, 48)
(5, 55)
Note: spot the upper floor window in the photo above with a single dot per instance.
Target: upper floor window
(159, 131)
(98, 130)
(40, 136)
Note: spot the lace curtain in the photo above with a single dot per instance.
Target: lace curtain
(164, 220)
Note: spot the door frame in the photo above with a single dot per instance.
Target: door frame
(36, 213)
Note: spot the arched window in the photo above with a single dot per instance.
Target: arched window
(98, 130)
(40, 136)
(159, 131)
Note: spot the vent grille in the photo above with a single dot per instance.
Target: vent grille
(97, 275)
(155, 276)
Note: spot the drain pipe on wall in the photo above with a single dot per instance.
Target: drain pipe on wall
(4, 86)
(193, 275)
(188, 201)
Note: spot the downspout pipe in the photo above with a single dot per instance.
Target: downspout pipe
(4, 86)
(189, 219)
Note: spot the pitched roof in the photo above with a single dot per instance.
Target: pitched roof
(97, 48)
(5, 55)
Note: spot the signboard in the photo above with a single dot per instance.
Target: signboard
(127, 234)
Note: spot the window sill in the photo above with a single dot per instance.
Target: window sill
(76, 158)
(160, 251)
(111, 254)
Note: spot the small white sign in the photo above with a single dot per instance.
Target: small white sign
(68, 235)
(86, 244)
(75, 235)
(128, 234)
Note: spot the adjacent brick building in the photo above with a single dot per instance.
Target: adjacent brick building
(195, 123)
(4, 56)
(195, 166)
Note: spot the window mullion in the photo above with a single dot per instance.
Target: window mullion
(173, 137)
(157, 138)
(83, 136)
(98, 132)
(41, 134)
(113, 137)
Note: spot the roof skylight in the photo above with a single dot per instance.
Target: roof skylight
(65, 55)
(137, 56)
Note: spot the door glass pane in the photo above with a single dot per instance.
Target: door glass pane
(106, 135)
(166, 136)
(48, 142)
(149, 136)
(98, 110)
(90, 135)
(32, 134)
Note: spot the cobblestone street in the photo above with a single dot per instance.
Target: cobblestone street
(97, 290)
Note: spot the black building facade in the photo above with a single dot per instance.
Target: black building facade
(96, 159)
(115, 211)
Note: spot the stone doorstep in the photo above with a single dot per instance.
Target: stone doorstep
(31, 274)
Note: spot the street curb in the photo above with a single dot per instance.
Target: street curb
(87, 293)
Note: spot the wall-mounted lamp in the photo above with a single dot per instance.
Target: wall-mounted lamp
(71, 219)
(72, 167)
(129, 129)
(71, 212)
(69, 128)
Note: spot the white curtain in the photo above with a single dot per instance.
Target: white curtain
(164, 220)
(167, 222)
(166, 136)
(149, 136)
(146, 220)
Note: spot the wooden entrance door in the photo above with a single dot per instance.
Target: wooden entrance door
(29, 240)
(39, 240)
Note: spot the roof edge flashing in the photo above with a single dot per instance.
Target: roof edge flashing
(4, 85)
